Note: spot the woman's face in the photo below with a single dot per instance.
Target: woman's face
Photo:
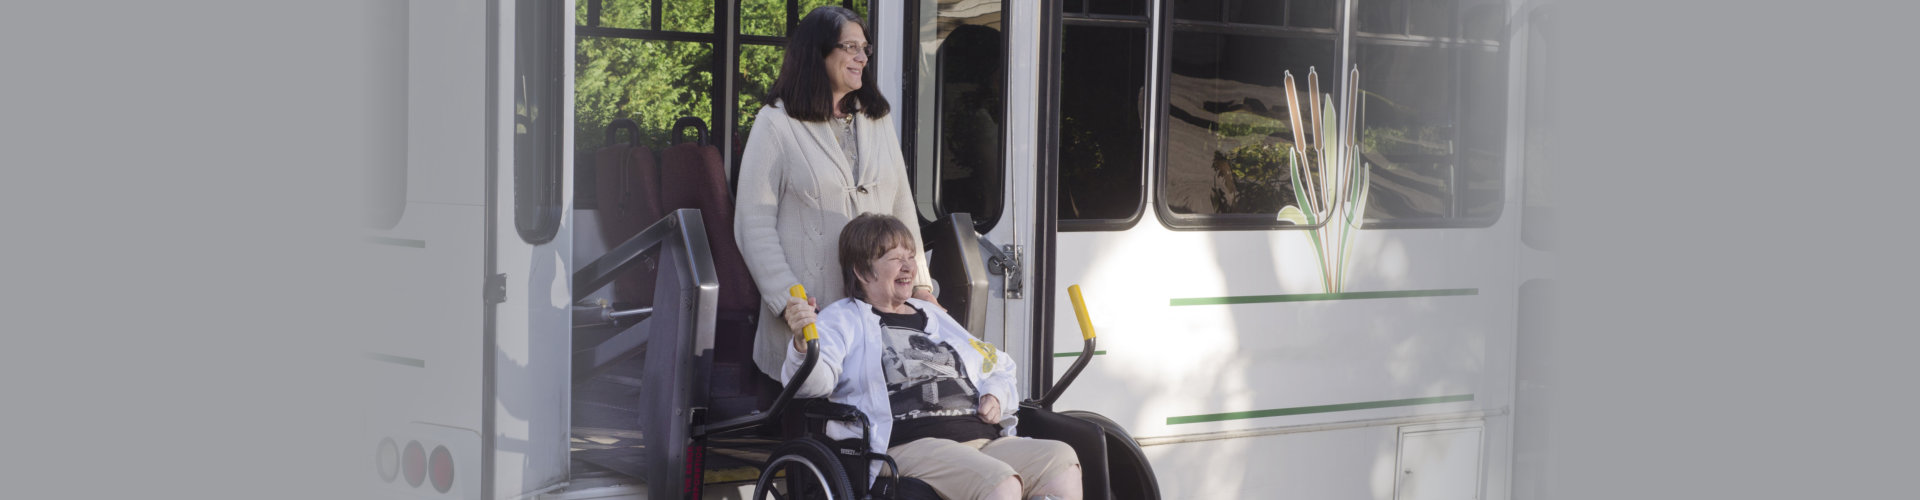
(889, 279)
(844, 69)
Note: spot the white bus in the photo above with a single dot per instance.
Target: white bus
(1136, 148)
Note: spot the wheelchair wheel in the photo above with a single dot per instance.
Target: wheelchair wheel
(1129, 474)
(812, 473)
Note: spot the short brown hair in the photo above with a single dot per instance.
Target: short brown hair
(866, 238)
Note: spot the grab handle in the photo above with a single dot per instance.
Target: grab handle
(1086, 350)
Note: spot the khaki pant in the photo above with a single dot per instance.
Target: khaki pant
(970, 470)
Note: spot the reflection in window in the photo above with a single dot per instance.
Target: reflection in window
(959, 102)
(1311, 13)
(1116, 7)
(1432, 113)
(1102, 82)
(385, 183)
(1198, 10)
(971, 96)
(1380, 16)
(1538, 207)
(537, 168)
(1228, 130)
(1406, 131)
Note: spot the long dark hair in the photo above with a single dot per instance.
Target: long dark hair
(803, 87)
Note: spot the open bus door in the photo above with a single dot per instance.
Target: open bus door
(528, 248)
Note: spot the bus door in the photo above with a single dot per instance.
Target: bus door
(526, 362)
(967, 132)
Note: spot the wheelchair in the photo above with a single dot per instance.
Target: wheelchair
(701, 400)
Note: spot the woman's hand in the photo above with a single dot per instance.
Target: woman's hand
(926, 294)
(799, 314)
(989, 409)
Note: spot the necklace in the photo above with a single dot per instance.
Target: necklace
(848, 142)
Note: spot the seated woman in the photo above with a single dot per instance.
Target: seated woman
(941, 403)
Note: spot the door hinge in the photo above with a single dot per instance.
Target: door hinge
(1006, 263)
(495, 290)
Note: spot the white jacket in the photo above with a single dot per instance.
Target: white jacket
(797, 191)
(850, 336)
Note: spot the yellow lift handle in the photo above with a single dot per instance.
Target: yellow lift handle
(1080, 310)
(809, 333)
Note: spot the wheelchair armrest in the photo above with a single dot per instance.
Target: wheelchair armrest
(824, 409)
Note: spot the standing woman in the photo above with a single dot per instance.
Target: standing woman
(822, 153)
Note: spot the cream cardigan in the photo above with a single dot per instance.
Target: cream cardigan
(796, 192)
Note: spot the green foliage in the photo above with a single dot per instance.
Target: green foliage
(655, 83)
(650, 82)
(1258, 178)
(763, 17)
(1242, 124)
(759, 65)
(1250, 154)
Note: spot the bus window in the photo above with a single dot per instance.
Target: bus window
(385, 184)
(1432, 111)
(1228, 131)
(537, 111)
(959, 106)
(1102, 98)
(1537, 207)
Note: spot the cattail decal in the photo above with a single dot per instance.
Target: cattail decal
(1329, 182)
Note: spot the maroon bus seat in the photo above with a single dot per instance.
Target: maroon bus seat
(696, 178)
(627, 185)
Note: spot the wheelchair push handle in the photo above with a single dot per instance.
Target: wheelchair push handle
(1086, 350)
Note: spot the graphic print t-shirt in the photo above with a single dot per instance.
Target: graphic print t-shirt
(927, 384)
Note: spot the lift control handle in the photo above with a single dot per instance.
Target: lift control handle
(1080, 310)
(809, 333)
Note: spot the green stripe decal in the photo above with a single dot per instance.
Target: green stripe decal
(398, 242)
(1075, 354)
(416, 363)
(1302, 410)
(1309, 297)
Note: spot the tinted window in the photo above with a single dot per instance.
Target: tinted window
(1117, 7)
(537, 111)
(386, 166)
(1227, 125)
(1432, 113)
(1102, 131)
(1538, 207)
(962, 105)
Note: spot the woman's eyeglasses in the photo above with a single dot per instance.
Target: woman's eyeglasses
(855, 48)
